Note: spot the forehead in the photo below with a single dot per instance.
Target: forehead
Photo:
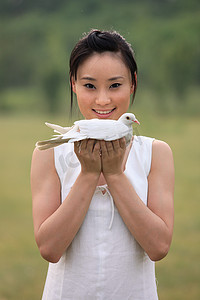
(106, 63)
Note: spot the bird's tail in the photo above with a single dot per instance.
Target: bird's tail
(47, 144)
(56, 140)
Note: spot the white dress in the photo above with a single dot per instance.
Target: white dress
(104, 261)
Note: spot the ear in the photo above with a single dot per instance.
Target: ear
(134, 83)
(73, 84)
(132, 88)
(135, 74)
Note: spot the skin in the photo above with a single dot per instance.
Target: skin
(96, 90)
(56, 224)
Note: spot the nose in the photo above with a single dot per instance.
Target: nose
(103, 98)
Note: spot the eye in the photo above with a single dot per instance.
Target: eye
(89, 86)
(128, 118)
(115, 85)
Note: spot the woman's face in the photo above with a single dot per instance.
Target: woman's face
(103, 86)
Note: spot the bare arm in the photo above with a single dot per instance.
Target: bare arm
(152, 225)
(56, 224)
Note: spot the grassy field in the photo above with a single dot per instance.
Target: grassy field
(23, 271)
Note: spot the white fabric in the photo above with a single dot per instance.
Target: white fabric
(104, 261)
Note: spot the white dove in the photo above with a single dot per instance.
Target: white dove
(98, 129)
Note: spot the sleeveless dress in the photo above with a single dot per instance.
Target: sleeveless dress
(104, 261)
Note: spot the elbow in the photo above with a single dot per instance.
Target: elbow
(159, 252)
(48, 251)
(49, 255)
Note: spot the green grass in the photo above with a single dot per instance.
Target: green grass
(23, 271)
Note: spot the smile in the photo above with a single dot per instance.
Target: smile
(103, 112)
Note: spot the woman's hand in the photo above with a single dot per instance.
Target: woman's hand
(112, 156)
(88, 153)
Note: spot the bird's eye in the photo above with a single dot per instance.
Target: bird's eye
(127, 118)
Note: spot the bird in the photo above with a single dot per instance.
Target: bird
(98, 129)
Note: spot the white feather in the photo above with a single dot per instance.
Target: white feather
(99, 129)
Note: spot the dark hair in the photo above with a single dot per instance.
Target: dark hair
(101, 41)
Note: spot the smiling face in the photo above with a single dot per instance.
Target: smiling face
(103, 86)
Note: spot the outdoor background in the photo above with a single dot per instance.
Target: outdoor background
(36, 38)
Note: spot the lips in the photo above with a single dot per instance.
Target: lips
(103, 113)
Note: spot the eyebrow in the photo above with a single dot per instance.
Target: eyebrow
(110, 79)
(88, 78)
(116, 78)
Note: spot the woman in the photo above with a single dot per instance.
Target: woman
(98, 250)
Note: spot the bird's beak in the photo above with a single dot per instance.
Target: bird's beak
(136, 121)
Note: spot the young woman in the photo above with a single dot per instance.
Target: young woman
(103, 212)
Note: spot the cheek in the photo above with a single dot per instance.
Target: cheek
(84, 101)
(123, 97)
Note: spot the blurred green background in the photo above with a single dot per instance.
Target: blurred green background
(36, 38)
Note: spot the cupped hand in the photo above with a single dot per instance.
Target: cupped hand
(88, 153)
(112, 156)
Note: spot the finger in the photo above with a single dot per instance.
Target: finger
(76, 144)
(122, 143)
(90, 145)
(83, 145)
(103, 148)
(96, 142)
(109, 147)
(97, 149)
(116, 145)
(77, 147)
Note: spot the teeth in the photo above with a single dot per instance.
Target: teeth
(103, 112)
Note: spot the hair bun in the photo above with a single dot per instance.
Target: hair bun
(99, 41)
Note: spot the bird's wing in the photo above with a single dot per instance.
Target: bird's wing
(119, 130)
(107, 130)
(96, 129)
(74, 133)
(57, 128)
(71, 136)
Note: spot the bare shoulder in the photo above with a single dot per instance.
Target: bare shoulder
(161, 154)
(161, 175)
(42, 168)
(42, 162)
(45, 157)
(161, 147)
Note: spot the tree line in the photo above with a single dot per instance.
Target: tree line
(36, 38)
